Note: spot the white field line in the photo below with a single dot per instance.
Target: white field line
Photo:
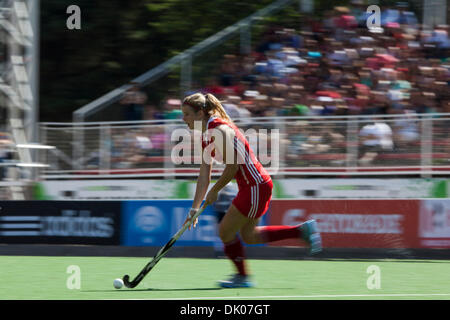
(321, 296)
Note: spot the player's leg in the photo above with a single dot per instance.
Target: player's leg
(218, 244)
(229, 227)
(251, 233)
(307, 231)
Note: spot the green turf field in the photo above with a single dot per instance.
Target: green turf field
(177, 278)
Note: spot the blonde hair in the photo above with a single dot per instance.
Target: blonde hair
(209, 104)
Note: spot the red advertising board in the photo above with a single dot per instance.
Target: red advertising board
(353, 223)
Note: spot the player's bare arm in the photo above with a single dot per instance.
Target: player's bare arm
(224, 145)
(203, 181)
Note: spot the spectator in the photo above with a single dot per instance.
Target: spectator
(5, 152)
(406, 130)
(375, 138)
(231, 106)
(299, 135)
(133, 102)
(400, 15)
(159, 141)
(299, 110)
(172, 109)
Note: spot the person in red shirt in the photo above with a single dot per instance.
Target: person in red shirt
(222, 140)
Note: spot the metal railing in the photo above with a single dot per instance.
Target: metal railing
(420, 145)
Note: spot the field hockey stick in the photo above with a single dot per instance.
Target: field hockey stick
(161, 253)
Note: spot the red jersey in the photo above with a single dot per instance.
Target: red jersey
(250, 172)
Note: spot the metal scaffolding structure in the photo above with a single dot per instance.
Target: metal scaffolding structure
(19, 85)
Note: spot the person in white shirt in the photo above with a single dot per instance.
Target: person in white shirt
(375, 138)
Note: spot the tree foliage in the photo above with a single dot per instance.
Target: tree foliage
(118, 41)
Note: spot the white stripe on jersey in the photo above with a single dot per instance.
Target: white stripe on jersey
(255, 201)
(251, 167)
(245, 157)
(252, 200)
(243, 174)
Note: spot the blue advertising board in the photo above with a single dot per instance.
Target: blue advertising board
(154, 222)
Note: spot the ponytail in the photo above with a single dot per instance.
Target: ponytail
(214, 107)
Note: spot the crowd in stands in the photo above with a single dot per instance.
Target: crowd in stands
(336, 65)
